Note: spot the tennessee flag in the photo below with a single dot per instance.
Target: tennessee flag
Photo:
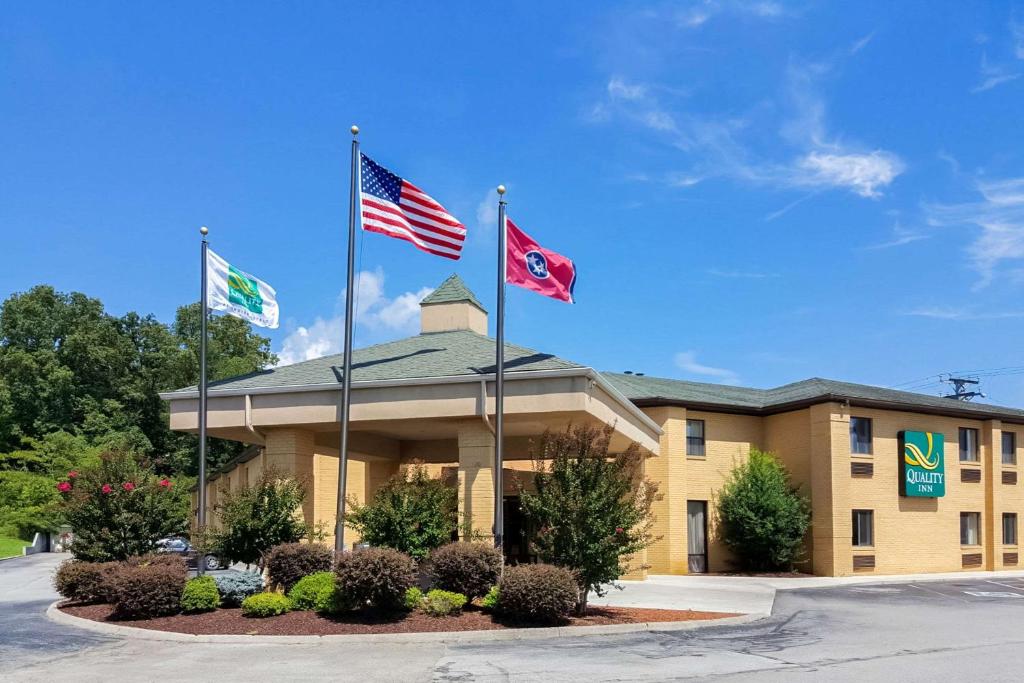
(530, 266)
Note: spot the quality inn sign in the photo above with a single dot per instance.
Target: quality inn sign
(922, 465)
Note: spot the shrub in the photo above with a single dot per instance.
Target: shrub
(374, 577)
(265, 605)
(439, 603)
(490, 601)
(164, 559)
(539, 593)
(236, 587)
(413, 598)
(763, 519)
(120, 508)
(85, 582)
(152, 590)
(315, 592)
(200, 595)
(411, 513)
(467, 568)
(258, 517)
(289, 562)
(591, 508)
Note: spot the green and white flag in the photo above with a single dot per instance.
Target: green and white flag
(239, 294)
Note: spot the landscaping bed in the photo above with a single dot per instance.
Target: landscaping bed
(230, 621)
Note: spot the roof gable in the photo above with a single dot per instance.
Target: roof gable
(452, 290)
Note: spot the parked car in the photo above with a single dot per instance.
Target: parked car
(180, 546)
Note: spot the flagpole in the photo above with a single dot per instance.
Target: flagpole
(346, 380)
(499, 380)
(201, 521)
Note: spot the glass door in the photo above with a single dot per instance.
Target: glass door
(697, 535)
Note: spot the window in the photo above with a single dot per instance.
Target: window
(863, 528)
(860, 435)
(1009, 528)
(968, 445)
(695, 437)
(970, 528)
(1009, 448)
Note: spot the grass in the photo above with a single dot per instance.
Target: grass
(9, 547)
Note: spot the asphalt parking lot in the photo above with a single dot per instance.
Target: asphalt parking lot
(970, 629)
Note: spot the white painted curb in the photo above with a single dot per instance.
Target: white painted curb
(136, 633)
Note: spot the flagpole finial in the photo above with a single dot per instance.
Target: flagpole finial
(204, 231)
(501, 189)
(355, 130)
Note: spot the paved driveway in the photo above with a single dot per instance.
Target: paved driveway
(968, 629)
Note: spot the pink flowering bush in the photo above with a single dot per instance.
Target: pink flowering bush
(120, 508)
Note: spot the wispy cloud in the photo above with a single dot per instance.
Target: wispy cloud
(376, 313)
(687, 362)
(697, 14)
(740, 274)
(994, 74)
(900, 237)
(999, 215)
(960, 314)
(862, 43)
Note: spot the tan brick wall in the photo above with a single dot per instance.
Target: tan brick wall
(476, 479)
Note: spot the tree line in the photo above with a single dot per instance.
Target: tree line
(76, 381)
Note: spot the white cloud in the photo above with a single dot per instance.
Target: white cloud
(901, 237)
(958, 314)
(620, 89)
(859, 45)
(861, 173)
(687, 362)
(1017, 33)
(376, 313)
(1000, 217)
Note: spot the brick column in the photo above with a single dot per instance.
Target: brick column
(669, 554)
(831, 524)
(991, 471)
(476, 479)
(290, 451)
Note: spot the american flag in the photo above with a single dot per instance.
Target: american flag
(395, 207)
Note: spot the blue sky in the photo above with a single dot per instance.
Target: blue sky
(753, 192)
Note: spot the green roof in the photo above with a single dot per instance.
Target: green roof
(451, 290)
(654, 390)
(435, 354)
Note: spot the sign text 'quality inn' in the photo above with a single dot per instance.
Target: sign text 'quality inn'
(922, 464)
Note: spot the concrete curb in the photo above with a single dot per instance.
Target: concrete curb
(136, 633)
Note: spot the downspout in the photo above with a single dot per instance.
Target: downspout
(483, 406)
(261, 438)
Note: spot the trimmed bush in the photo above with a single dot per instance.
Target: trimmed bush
(85, 582)
(265, 605)
(315, 592)
(289, 562)
(142, 592)
(413, 598)
(172, 560)
(538, 593)
(467, 568)
(236, 587)
(490, 601)
(439, 603)
(200, 595)
(376, 578)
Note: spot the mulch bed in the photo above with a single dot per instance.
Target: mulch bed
(231, 621)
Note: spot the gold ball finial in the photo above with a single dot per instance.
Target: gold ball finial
(501, 189)
(355, 130)
(204, 231)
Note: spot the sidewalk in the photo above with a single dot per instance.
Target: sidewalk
(752, 594)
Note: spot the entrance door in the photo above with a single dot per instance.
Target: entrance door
(697, 535)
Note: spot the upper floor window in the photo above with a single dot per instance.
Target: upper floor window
(695, 437)
(860, 435)
(968, 444)
(1009, 448)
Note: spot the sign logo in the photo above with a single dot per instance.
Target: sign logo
(537, 264)
(922, 464)
(244, 291)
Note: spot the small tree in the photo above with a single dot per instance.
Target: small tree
(763, 519)
(120, 507)
(260, 516)
(592, 509)
(411, 513)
